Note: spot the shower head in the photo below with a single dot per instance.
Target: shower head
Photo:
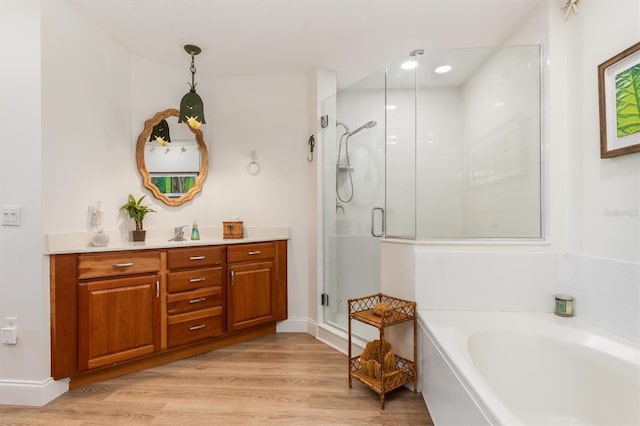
(367, 125)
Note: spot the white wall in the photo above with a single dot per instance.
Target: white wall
(604, 201)
(88, 151)
(604, 194)
(23, 276)
(95, 97)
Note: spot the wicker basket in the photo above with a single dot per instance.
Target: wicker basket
(232, 229)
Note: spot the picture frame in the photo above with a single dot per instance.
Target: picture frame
(619, 103)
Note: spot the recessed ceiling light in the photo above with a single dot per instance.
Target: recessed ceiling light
(442, 69)
(409, 65)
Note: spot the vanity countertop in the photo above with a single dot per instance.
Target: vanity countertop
(80, 242)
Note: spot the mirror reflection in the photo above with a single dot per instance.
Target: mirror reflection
(172, 158)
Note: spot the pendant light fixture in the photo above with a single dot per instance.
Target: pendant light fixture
(160, 133)
(191, 107)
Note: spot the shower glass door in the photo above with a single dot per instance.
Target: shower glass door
(353, 186)
(400, 148)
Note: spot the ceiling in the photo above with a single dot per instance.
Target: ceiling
(351, 37)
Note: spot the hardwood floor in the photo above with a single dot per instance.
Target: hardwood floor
(286, 378)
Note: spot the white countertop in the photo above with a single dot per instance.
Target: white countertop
(80, 242)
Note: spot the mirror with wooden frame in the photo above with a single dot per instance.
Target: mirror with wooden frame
(174, 162)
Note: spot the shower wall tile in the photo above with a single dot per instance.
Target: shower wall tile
(607, 293)
(489, 281)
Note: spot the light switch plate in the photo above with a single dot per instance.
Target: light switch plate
(10, 215)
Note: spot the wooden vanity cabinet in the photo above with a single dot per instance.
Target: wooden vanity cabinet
(117, 312)
(118, 302)
(194, 294)
(255, 284)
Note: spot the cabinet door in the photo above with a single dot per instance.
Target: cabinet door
(118, 320)
(250, 296)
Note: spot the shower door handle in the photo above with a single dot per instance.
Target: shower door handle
(373, 221)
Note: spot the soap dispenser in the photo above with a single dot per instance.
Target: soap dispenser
(195, 234)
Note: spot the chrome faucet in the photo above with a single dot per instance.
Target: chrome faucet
(179, 233)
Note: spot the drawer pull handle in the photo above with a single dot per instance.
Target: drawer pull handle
(197, 280)
(233, 277)
(122, 265)
(196, 327)
(196, 258)
(251, 253)
(198, 300)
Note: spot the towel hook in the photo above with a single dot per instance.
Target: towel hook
(312, 145)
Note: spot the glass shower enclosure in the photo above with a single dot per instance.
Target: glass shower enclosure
(442, 145)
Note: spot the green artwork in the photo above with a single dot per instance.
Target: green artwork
(174, 184)
(628, 101)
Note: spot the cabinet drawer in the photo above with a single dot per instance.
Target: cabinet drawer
(190, 280)
(194, 300)
(251, 252)
(194, 326)
(195, 257)
(122, 263)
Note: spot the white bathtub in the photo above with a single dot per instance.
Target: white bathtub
(502, 368)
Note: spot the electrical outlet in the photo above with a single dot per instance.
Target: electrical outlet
(9, 334)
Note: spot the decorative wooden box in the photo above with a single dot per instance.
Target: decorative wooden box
(233, 229)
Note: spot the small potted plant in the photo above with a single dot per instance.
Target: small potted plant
(137, 212)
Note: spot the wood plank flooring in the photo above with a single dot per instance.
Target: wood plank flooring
(286, 378)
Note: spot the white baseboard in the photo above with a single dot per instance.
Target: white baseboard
(297, 325)
(31, 393)
(336, 338)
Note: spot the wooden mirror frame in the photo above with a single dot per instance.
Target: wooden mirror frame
(142, 167)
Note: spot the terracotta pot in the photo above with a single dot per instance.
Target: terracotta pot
(139, 235)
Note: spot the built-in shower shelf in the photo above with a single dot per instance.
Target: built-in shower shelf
(345, 168)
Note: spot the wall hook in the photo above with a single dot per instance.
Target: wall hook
(312, 145)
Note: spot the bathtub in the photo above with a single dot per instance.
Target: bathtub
(499, 368)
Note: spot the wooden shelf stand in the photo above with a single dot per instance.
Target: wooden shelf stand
(362, 309)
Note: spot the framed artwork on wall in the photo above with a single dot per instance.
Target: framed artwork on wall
(619, 99)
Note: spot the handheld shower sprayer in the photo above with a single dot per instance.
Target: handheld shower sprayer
(367, 125)
(347, 166)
